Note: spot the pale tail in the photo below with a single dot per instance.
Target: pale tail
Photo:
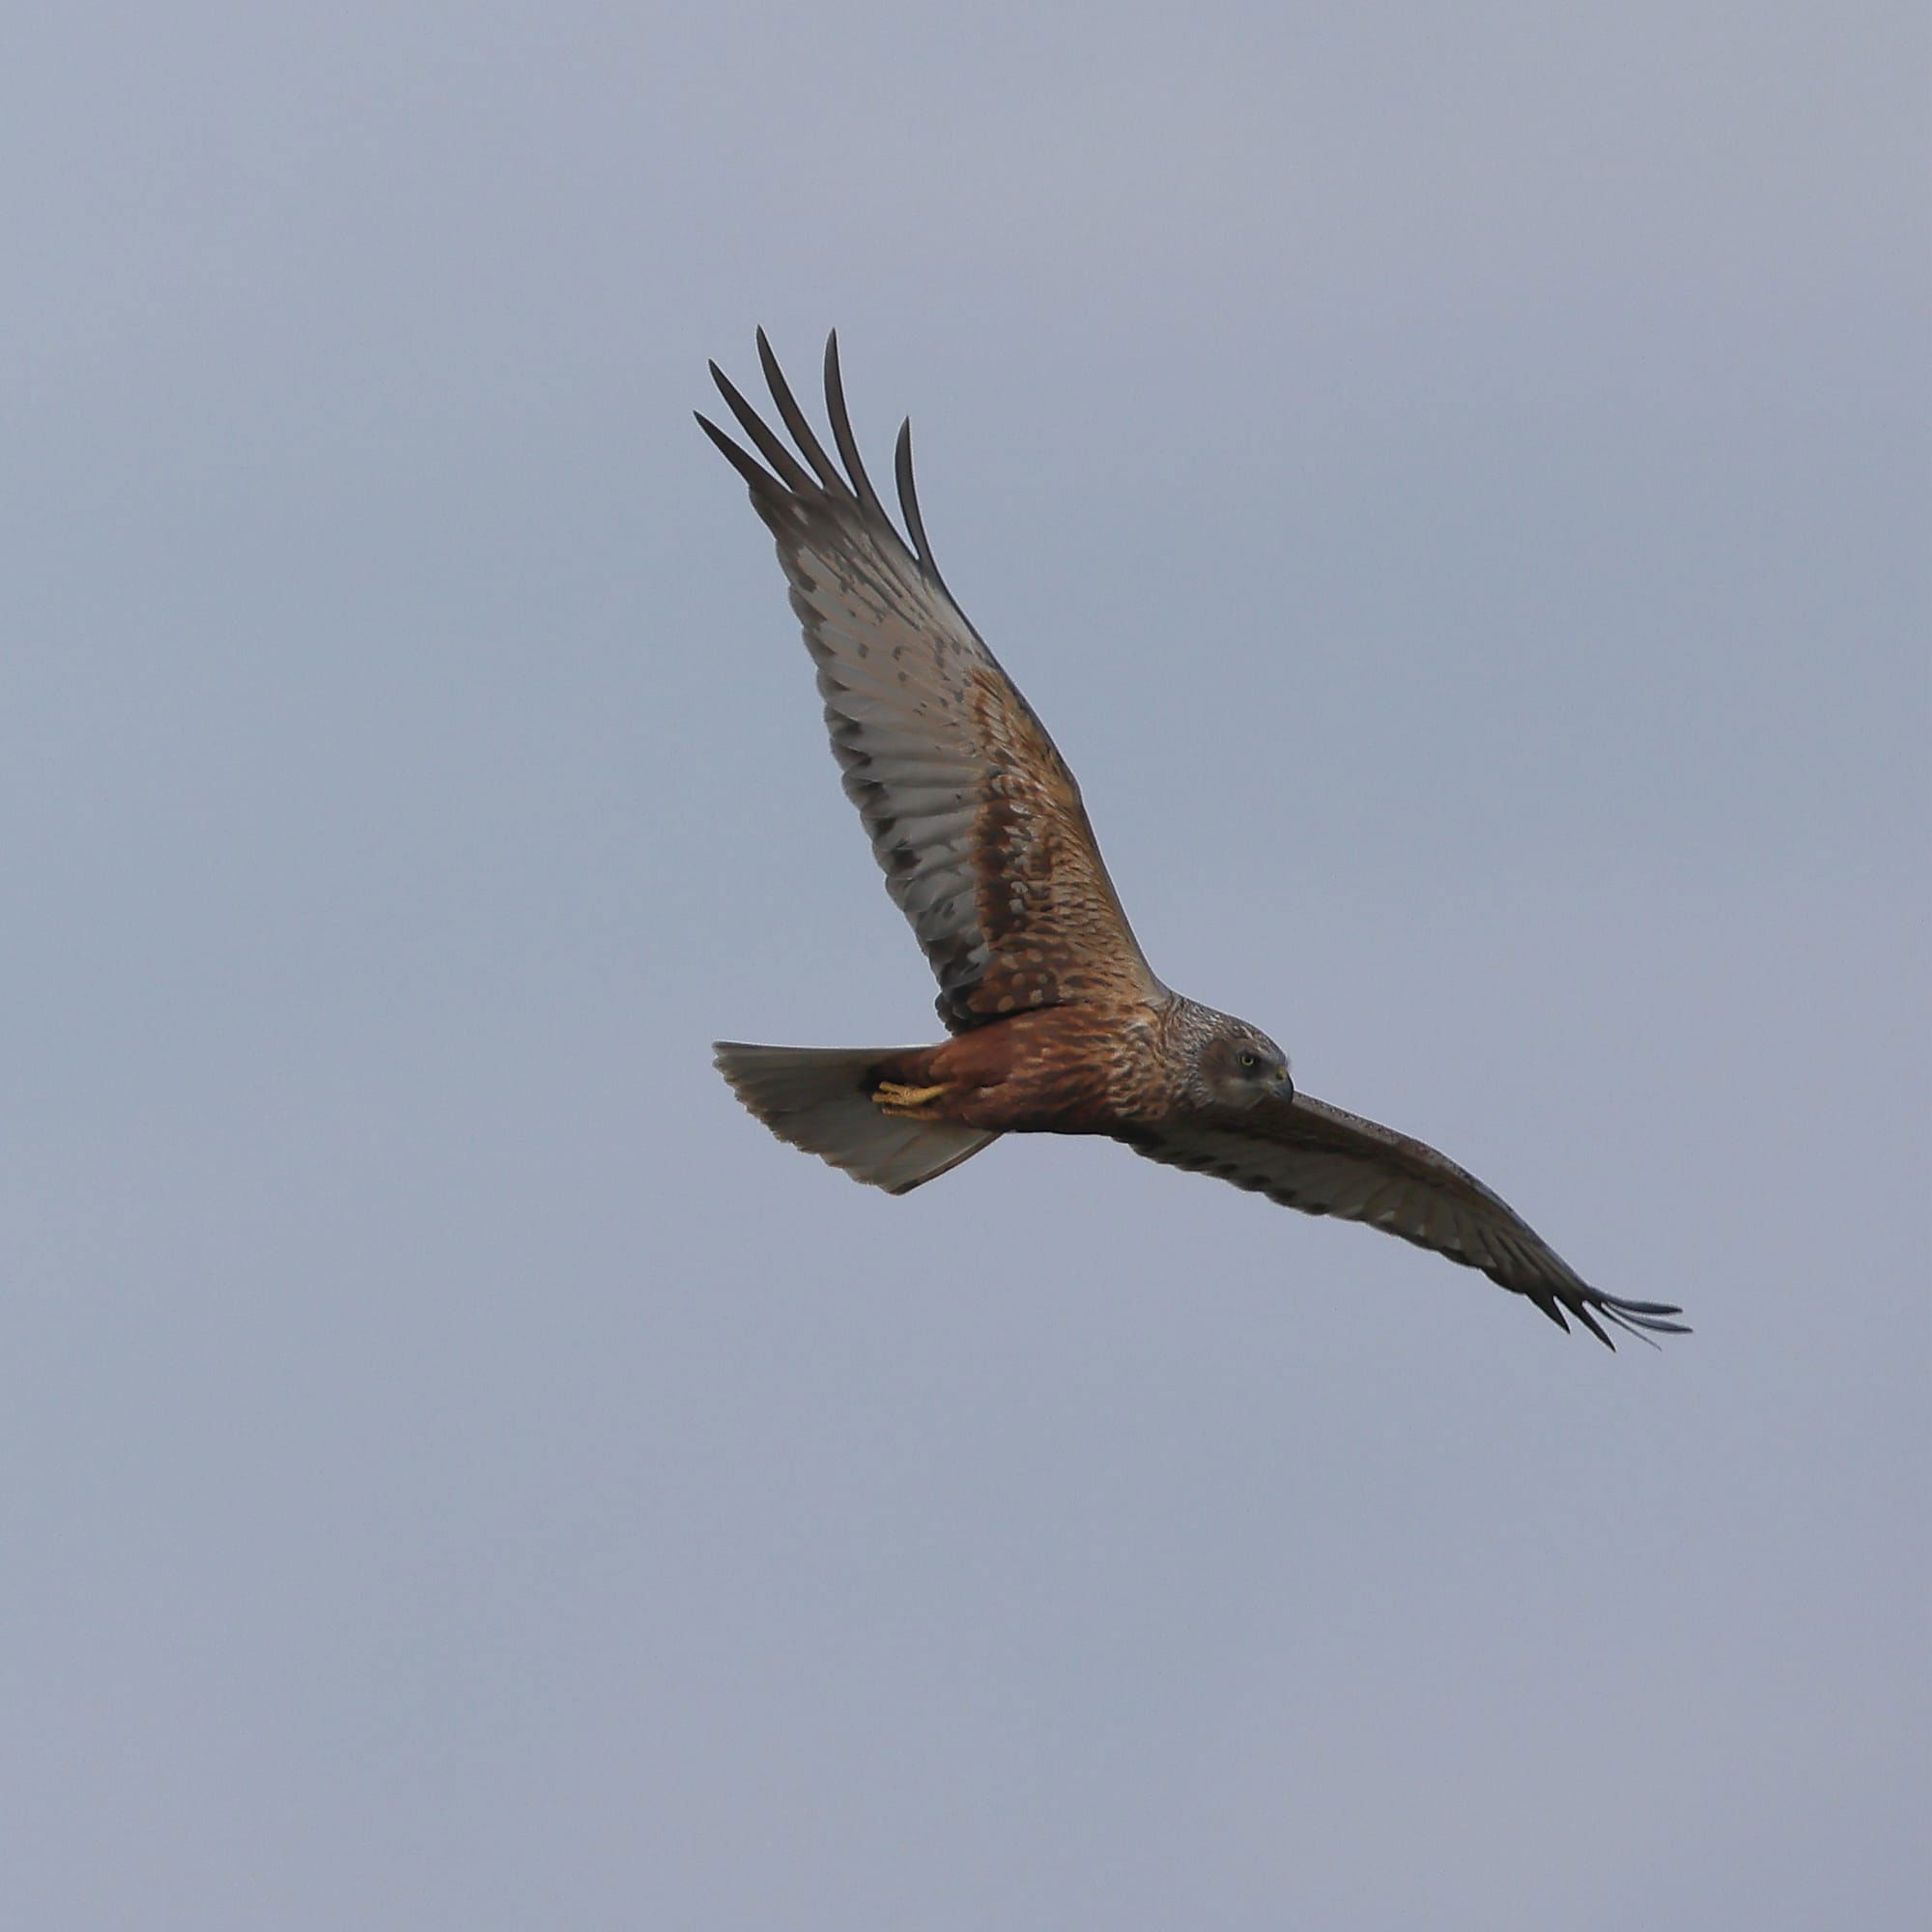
(814, 1097)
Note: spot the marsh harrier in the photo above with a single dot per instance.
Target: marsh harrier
(1058, 1023)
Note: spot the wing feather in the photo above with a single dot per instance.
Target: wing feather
(1307, 1154)
(972, 814)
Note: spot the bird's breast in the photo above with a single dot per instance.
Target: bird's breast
(1065, 1069)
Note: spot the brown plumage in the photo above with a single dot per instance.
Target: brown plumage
(1059, 1024)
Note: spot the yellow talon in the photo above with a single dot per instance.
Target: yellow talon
(892, 1097)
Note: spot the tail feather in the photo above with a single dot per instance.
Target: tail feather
(819, 1098)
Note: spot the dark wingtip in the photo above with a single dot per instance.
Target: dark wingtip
(1591, 1310)
(1586, 1318)
(1647, 1314)
(786, 484)
(768, 496)
(720, 437)
(843, 434)
(759, 433)
(797, 424)
(909, 504)
(1645, 1319)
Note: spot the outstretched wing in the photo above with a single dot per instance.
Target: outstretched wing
(1307, 1154)
(972, 812)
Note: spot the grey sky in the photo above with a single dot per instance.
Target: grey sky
(1455, 483)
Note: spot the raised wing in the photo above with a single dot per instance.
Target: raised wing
(972, 814)
(1307, 1154)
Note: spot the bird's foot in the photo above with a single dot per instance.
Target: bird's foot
(906, 1103)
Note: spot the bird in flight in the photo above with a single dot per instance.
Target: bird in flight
(1057, 1022)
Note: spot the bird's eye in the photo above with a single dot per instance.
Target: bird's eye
(1249, 1062)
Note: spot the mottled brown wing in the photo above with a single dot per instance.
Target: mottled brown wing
(1307, 1154)
(972, 814)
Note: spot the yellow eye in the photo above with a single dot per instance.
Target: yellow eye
(1249, 1062)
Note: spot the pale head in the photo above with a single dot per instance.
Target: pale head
(1231, 1063)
